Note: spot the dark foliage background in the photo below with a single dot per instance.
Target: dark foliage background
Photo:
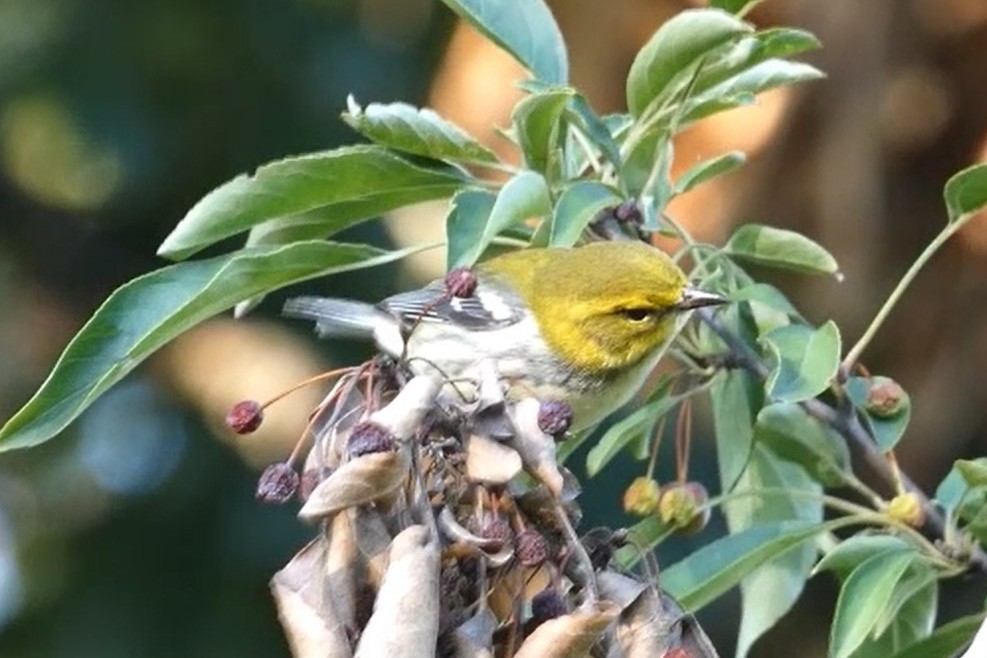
(137, 534)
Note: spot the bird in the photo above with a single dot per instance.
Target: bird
(583, 325)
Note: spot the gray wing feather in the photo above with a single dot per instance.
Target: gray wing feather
(430, 304)
(339, 318)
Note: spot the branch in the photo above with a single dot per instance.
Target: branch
(846, 423)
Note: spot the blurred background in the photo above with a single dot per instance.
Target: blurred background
(135, 533)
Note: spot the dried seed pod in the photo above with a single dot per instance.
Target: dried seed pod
(490, 462)
(572, 634)
(357, 482)
(405, 621)
(310, 622)
(537, 449)
(245, 416)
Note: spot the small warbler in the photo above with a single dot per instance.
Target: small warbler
(583, 325)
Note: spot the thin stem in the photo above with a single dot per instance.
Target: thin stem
(587, 148)
(655, 444)
(306, 382)
(853, 354)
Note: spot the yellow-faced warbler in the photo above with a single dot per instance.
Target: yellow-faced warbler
(582, 325)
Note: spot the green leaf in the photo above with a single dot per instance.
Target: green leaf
(350, 183)
(469, 214)
(524, 28)
(538, 123)
(769, 591)
(708, 169)
(576, 208)
(887, 431)
(741, 89)
(947, 640)
(417, 131)
(718, 566)
(909, 616)
(794, 435)
(672, 54)
(775, 247)
(950, 491)
(857, 549)
(628, 429)
(144, 314)
(470, 228)
(736, 397)
(973, 471)
(582, 116)
(768, 306)
(738, 7)
(966, 193)
(864, 597)
(805, 361)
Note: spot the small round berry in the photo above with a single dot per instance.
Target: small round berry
(907, 508)
(555, 418)
(460, 282)
(530, 548)
(277, 484)
(629, 212)
(245, 416)
(641, 497)
(547, 604)
(885, 398)
(683, 506)
(495, 529)
(368, 437)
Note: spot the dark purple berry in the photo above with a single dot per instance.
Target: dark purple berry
(555, 418)
(460, 282)
(368, 437)
(245, 416)
(277, 484)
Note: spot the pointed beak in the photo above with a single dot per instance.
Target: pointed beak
(695, 298)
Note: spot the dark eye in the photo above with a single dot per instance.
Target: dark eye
(636, 314)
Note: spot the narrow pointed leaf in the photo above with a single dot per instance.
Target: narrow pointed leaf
(470, 231)
(144, 314)
(775, 247)
(719, 566)
(419, 131)
(524, 28)
(947, 640)
(351, 183)
(804, 359)
(595, 128)
(674, 51)
(631, 428)
(709, 169)
(538, 123)
(794, 435)
(854, 551)
(863, 598)
(966, 193)
(769, 591)
(736, 396)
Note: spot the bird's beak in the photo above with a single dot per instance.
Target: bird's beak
(696, 298)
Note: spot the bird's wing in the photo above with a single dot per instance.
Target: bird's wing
(490, 307)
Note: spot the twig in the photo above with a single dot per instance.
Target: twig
(846, 423)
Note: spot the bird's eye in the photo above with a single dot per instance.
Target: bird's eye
(636, 314)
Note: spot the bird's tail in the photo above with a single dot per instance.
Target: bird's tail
(337, 318)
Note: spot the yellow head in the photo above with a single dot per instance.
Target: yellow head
(604, 306)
